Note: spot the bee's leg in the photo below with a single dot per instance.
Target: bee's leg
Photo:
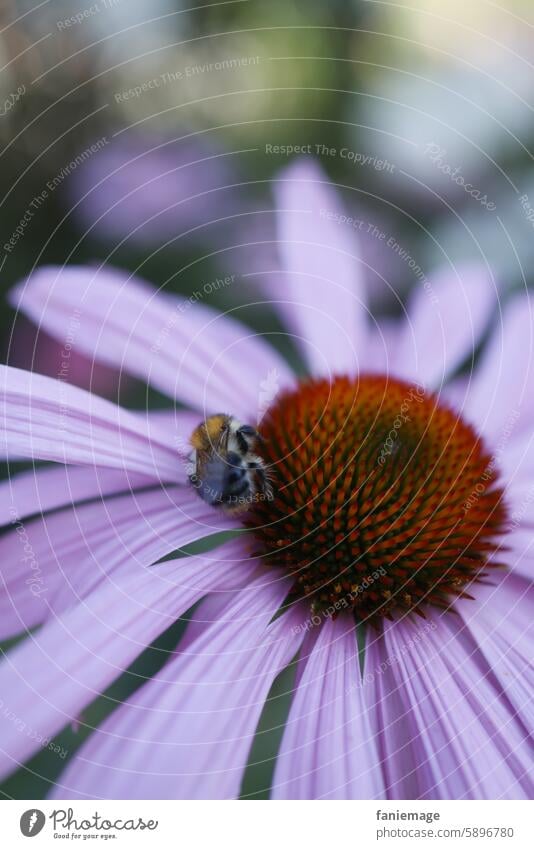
(264, 485)
(246, 431)
(254, 466)
(241, 441)
(267, 487)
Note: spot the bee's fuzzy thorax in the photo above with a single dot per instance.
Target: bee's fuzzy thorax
(206, 433)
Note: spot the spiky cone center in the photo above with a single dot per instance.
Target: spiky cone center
(385, 499)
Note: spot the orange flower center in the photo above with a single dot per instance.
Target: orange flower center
(384, 498)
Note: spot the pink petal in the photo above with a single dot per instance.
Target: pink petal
(329, 750)
(49, 678)
(47, 419)
(182, 347)
(518, 544)
(501, 402)
(323, 300)
(382, 345)
(514, 455)
(500, 622)
(519, 552)
(49, 564)
(466, 740)
(444, 324)
(38, 490)
(41, 490)
(187, 733)
(388, 712)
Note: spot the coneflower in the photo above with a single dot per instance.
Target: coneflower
(401, 515)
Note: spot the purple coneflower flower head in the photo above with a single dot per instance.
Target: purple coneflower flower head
(401, 511)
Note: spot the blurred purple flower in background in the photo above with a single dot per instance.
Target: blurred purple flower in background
(152, 193)
(443, 708)
(152, 190)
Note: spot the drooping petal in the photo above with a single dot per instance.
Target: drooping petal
(185, 349)
(329, 749)
(518, 544)
(49, 678)
(501, 625)
(501, 401)
(514, 457)
(444, 324)
(187, 732)
(47, 565)
(46, 419)
(41, 490)
(323, 298)
(388, 713)
(520, 557)
(466, 740)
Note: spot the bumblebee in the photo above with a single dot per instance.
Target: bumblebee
(226, 470)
